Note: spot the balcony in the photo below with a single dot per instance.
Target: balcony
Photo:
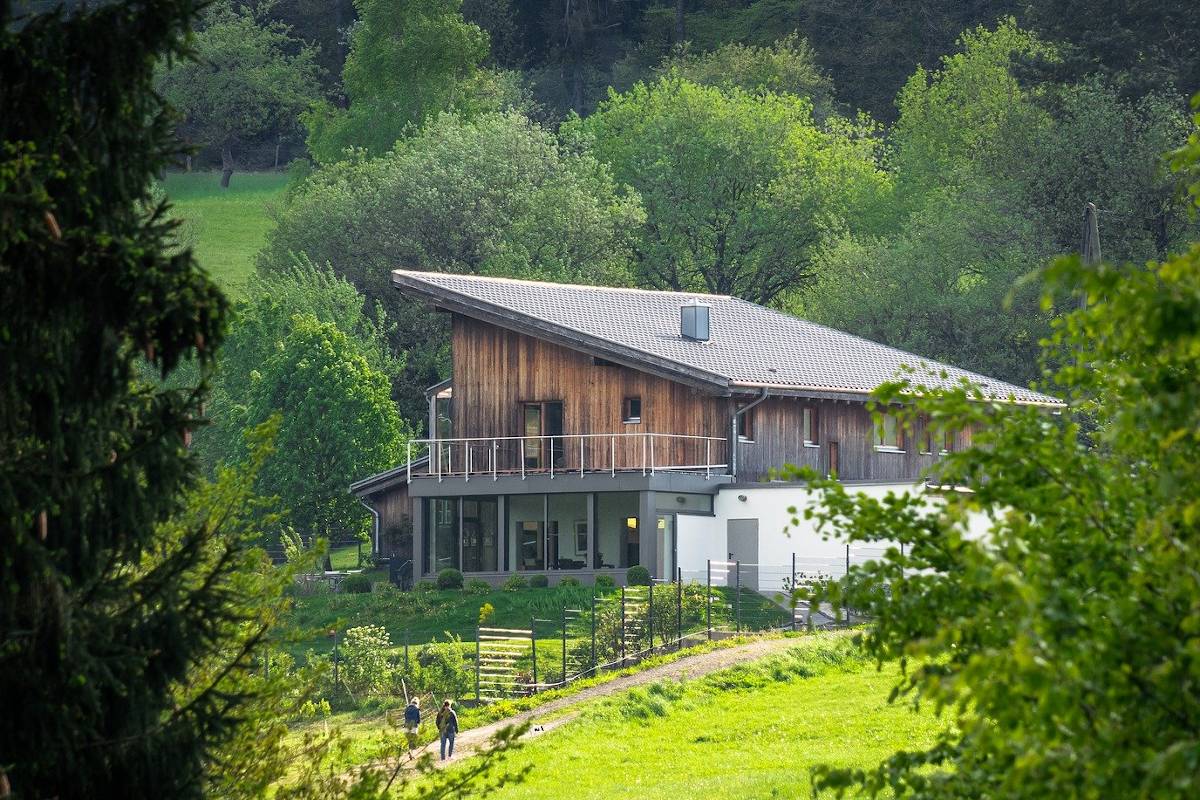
(570, 454)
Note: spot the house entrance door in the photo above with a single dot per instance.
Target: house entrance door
(742, 537)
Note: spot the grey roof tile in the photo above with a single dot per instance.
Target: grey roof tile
(749, 345)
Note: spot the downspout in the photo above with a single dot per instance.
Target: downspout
(374, 524)
(733, 428)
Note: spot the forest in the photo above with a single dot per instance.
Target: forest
(176, 446)
(889, 170)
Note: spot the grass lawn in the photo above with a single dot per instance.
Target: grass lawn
(754, 731)
(226, 227)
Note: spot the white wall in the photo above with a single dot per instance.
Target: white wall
(704, 538)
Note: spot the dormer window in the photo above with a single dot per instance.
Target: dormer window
(631, 410)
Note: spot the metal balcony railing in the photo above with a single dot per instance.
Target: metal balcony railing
(577, 454)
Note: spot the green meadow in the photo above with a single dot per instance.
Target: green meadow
(226, 227)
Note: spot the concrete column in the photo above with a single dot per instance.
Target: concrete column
(418, 549)
(648, 532)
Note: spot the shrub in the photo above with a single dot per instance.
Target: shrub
(605, 582)
(424, 586)
(477, 586)
(355, 584)
(570, 580)
(443, 669)
(638, 576)
(449, 578)
(539, 581)
(486, 612)
(364, 652)
(515, 583)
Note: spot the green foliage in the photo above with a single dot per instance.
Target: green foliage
(364, 654)
(486, 612)
(740, 190)
(637, 576)
(445, 670)
(436, 202)
(515, 583)
(355, 584)
(787, 66)
(538, 581)
(99, 643)
(449, 578)
(477, 586)
(605, 582)
(338, 420)
(570, 580)
(247, 76)
(422, 587)
(1085, 578)
(409, 60)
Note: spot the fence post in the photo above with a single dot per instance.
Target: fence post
(564, 643)
(793, 603)
(622, 626)
(708, 599)
(595, 664)
(335, 660)
(477, 698)
(845, 583)
(650, 614)
(678, 607)
(533, 648)
(737, 595)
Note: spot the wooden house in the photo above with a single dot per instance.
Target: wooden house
(587, 429)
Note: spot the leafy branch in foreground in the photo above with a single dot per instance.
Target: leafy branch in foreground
(1062, 640)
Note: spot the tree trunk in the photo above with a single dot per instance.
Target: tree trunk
(679, 31)
(226, 166)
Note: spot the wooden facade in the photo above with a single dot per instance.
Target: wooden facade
(498, 371)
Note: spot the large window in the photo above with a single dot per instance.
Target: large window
(809, 424)
(542, 423)
(480, 539)
(889, 434)
(617, 530)
(442, 541)
(527, 531)
(566, 531)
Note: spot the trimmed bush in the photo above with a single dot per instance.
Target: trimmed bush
(638, 576)
(477, 586)
(570, 580)
(355, 584)
(539, 581)
(424, 586)
(449, 578)
(605, 582)
(515, 583)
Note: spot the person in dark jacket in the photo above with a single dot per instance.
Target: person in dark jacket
(447, 723)
(412, 721)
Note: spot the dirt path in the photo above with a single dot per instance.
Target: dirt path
(469, 742)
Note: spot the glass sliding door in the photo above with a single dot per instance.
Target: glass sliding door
(527, 531)
(567, 531)
(480, 536)
(617, 530)
(443, 535)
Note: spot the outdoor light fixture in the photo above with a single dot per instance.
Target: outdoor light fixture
(742, 497)
(631, 522)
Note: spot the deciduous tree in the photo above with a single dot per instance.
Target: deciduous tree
(246, 76)
(740, 190)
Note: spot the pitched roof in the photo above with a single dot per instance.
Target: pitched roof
(750, 346)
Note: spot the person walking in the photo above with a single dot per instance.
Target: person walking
(447, 724)
(412, 721)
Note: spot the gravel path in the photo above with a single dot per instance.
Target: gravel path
(468, 742)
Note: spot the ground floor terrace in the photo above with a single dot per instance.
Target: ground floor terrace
(674, 525)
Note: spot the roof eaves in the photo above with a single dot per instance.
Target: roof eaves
(382, 480)
(505, 317)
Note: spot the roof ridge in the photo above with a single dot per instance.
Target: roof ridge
(421, 274)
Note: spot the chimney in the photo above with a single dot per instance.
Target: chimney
(693, 320)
